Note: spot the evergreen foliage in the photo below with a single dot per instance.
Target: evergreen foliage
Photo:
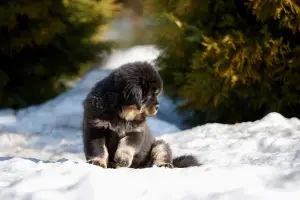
(230, 60)
(44, 42)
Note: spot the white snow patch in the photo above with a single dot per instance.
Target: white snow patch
(7, 118)
(252, 160)
(142, 53)
(79, 181)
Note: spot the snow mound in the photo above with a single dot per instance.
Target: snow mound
(251, 160)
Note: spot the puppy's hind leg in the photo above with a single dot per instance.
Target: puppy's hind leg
(161, 154)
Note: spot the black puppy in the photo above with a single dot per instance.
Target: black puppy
(115, 130)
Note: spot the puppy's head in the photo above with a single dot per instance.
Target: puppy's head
(142, 86)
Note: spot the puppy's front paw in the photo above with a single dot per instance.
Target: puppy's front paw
(98, 161)
(123, 158)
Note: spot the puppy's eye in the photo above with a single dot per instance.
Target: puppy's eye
(156, 91)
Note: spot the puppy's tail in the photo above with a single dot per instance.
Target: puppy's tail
(186, 161)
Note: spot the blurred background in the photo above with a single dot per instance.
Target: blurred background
(223, 61)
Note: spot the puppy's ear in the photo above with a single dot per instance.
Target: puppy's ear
(133, 95)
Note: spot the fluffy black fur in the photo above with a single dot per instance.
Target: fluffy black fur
(115, 130)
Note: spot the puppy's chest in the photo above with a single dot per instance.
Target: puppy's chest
(120, 127)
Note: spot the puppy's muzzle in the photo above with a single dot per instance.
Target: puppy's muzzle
(132, 112)
(150, 110)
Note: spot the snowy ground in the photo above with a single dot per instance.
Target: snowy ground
(41, 154)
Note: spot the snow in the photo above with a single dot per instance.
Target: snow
(7, 117)
(41, 154)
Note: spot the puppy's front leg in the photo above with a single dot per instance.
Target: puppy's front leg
(127, 148)
(99, 154)
(94, 146)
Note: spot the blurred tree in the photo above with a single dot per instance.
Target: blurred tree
(44, 42)
(229, 60)
(135, 5)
